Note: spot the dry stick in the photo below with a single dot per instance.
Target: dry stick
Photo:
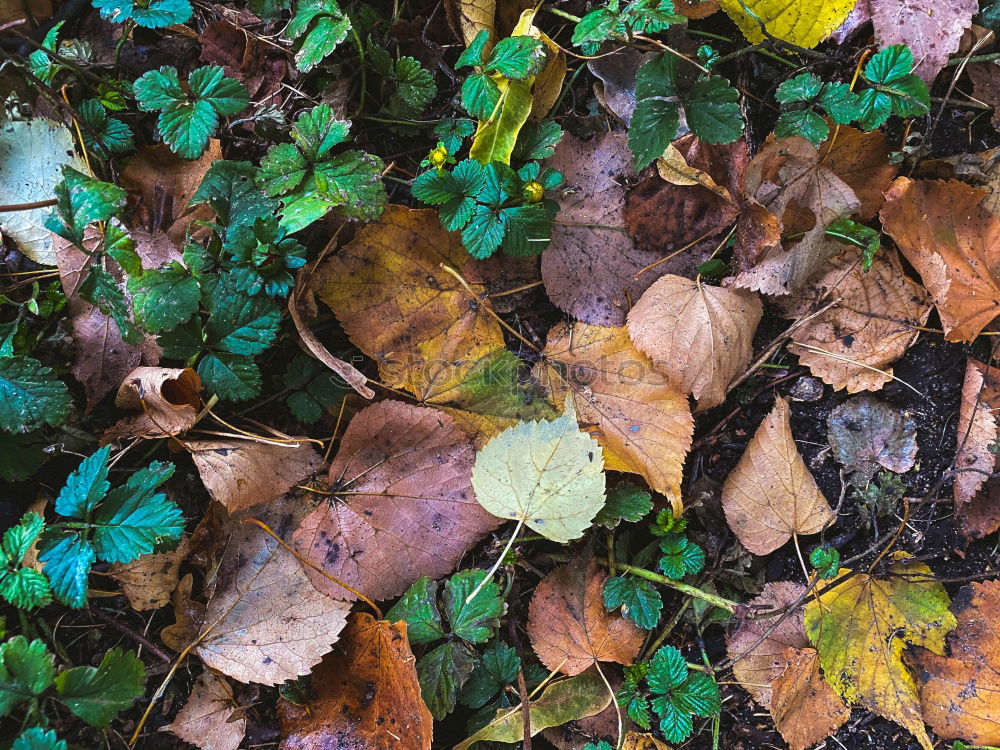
(522, 690)
(689, 245)
(28, 206)
(125, 630)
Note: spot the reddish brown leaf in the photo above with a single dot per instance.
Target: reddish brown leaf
(166, 399)
(804, 707)
(932, 32)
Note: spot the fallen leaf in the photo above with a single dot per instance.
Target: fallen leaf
(756, 666)
(700, 335)
(771, 496)
(932, 33)
(874, 321)
(616, 71)
(805, 23)
(860, 159)
(643, 423)
(399, 306)
(985, 77)
(866, 433)
(804, 707)
(960, 693)
(546, 475)
(408, 509)
(266, 623)
(259, 67)
(589, 271)
(241, 473)
(148, 581)
(561, 702)
(858, 17)
(167, 399)
(789, 191)
(206, 719)
(953, 241)
(569, 628)
(696, 9)
(690, 197)
(601, 726)
(188, 616)
(861, 625)
(366, 695)
(977, 510)
(471, 16)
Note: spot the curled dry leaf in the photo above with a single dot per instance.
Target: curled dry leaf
(874, 320)
(771, 496)
(866, 433)
(616, 72)
(207, 720)
(188, 616)
(932, 34)
(804, 707)
(166, 398)
(978, 511)
(643, 423)
(148, 581)
(960, 693)
(241, 473)
(399, 306)
(756, 666)
(366, 695)
(789, 191)
(408, 509)
(700, 335)
(593, 272)
(266, 622)
(959, 264)
(569, 628)
(861, 625)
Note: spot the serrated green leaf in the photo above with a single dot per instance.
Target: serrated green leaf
(187, 127)
(86, 486)
(225, 95)
(480, 95)
(154, 14)
(30, 395)
(484, 231)
(435, 187)
(183, 342)
(597, 26)
(699, 695)
(657, 112)
(97, 695)
(324, 27)
(517, 57)
(239, 324)
(135, 519)
(712, 109)
(82, 200)
(826, 560)
(102, 290)
(896, 90)
(230, 376)
(473, 621)
(317, 130)
(495, 670)
(803, 122)
(802, 88)
(473, 54)
(638, 600)
(229, 188)
(681, 556)
(675, 723)
(840, 103)
(414, 88)
(164, 298)
(418, 606)
(113, 134)
(26, 670)
(441, 673)
(452, 131)
(537, 141)
(874, 108)
(314, 388)
(17, 540)
(121, 247)
(24, 588)
(667, 670)
(67, 565)
(626, 502)
(38, 739)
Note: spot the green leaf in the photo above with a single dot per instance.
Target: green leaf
(452, 131)
(316, 131)
(517, 57)
(26, 670)
(102, 290)
(121, 248)
(17, 540)
(183, 342)
(597, 26)
(474, 621)
(436, 187)
(895, 90)
(826, 560)
(802, 88)
(135, 519)
(229, 188)
(675, 723)
(164, 298)
(230, 376)
(849, 232)
(19, 457)
(324, 26)
(225, 95)
(626, 502)
(86, 486)
(496, 137)
(496, 669)
(537, 141)
(418, 606)
(24, 588)
(681, 556)
(667, 670)
(113, 134)
(874, 108)
(441, 673)
(480, 95)
(657, 112)
(238, 324)
(803, 122)
(154, 14)
(473, 54)
(484, 232)
(30, 395)
(840, 103)
(67, 565)
(82, 200)
(415, 88)
(97, 695)
(314, 388)
(712, 109)
(38, 739)
(638, 599)
(699, 695)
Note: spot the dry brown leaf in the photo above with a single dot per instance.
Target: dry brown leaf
(933, 33)
(953, 241)
(770, 495)
(207, 720)
(266, 622)
(872, 324)
(985, 77)
(695, 9)
(960, 693)
(865, 433)
(641, 740)
(701, 336)
(589, 271)
(148, 581)
(188, 616)
(408, 509)
(602, 726)
(241, 473)
(569, 628)
(673, 168)
(977, 509)
(616, 72)
(366, 695)
(804, 707)
(643, 423)
(861, 159)
(166, 399)
(400, 307)
(756, 667)
(789, 191)
(471, 16)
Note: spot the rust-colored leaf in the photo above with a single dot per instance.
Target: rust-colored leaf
(166, 399)
(861, 159)
(804, 707)
(977, 508)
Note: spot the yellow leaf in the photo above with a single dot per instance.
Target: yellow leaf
(805, 23)
(673, 168)
(862, 625)
(472, 16)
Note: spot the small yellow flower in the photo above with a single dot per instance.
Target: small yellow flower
(438, 157)
(534, 192)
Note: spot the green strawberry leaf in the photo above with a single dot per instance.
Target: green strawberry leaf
(82, 200)
(638, 600)
(537, 141)
(803, 122)
(418, 606)
(657, 112)
(495, 670)
(667, 670)
(38, 739)
(826, 560)
(67, 565)
(238, 324)
(113, 134)
(24, 588)
(480, 95)
(164, 298)
(314, 388)
(86, 486)
(230, 376)
(474, 621)
(441, 673)
(30, 395)
(681, 556)
(473, 55)
(98, 694)
(802, 88)
(26, 670)
(712, 108)
(154, 14)
(321, 26)
(517, 57)
(626, 502)
(102, 290)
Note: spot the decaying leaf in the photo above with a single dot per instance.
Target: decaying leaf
(643, 423)
(472, 16)
(861, 159)
(561, 702)
(148, 581)
(804, 707)
(978, 511)
(166, 399)
(756, 667)
(241, 473)
(366, 695)
(789, 192)
(266, 622)
(674, 168)
(953, 241)
(771, 496)
(700, 335)
(641, 740)
(569, 627)
(402, 505)
(862, 624)
(547, 475)
(805, 23)
(616, 72)
(960, 693)
(188, 616)
(874, 320)
(593, 272)
(932, 33)
(400, 307)
(207, 720)
(866, 433)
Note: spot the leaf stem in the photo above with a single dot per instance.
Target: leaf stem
(496, 566)
(713, 599)
(564, 14)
